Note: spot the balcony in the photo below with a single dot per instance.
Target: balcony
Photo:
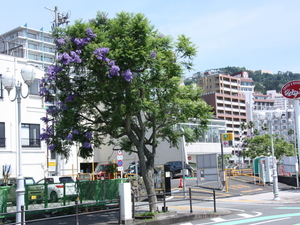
(10, 48)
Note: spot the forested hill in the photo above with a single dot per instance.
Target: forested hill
(265, 81)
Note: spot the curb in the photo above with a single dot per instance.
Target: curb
(179, 218)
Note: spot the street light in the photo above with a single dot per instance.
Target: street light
(9, 82)
(262, 116)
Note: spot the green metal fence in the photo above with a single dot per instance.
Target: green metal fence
(3, 199)
(99, 190)
(38, 196)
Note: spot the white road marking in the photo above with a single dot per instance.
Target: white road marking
(218, 219)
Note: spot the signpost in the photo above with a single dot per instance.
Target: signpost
(291, 90)
(120, 160)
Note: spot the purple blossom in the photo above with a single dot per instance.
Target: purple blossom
(60, 42)
(70, 137)
(70, 98)
(53, 70)
(51, 109)
(114, 71)
(75, 57)
(45, 119)
(127, 75)
(101, 54)
(75, 132)
(43, 91)
(80, 42)
(92, 21)
(89, 135)
(86, 145)
(153, 54)
(90, 33)
(112, 63)
(160, 35)
(65, 58)
(59, 104)
(52, 147)
(44, 136)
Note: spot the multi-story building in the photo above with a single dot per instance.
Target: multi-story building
(19, 47)
(36, 46)
(223, 92)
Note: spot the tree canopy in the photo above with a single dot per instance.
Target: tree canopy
(261, 146)
(119, 80)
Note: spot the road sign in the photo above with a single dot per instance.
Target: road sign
(120, 152)
(227, 139)
(120, 157)
(120, 168)
(120, 162)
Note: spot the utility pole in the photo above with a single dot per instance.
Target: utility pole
(60, 19)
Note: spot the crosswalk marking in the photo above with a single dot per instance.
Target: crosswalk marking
(218, 220)
(245, 215)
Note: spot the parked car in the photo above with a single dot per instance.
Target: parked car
(132, 169)
(56, 185)
(176, 169)
(35, 192)
(102, 171)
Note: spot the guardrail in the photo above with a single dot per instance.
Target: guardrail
(244, 172)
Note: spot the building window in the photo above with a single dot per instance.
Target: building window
(52, 155)
(32, 46)
(32, 36)
(34, 57)
(30, 135)
(35, 87)
(2, 134)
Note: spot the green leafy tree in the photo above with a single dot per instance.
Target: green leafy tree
(261, 146)
(119, 80)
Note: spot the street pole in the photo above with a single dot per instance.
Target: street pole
(183, 166)
(275, 178)
(8, 81)
(20, 180)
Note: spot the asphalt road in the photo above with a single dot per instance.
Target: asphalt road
(236, 186)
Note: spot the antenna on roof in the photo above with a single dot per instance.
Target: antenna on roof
(60, 18)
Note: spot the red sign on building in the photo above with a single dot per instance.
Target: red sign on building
(291, 89)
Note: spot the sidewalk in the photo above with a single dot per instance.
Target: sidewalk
(287, 196)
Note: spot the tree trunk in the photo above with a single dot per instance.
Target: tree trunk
(147, 170)
(150, 191)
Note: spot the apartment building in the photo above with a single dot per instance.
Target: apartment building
(36, 46)
(223, 92)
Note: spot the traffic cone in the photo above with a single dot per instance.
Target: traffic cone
(180, 183)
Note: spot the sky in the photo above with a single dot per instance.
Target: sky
(255, 34)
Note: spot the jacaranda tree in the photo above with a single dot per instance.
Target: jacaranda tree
(119, 80)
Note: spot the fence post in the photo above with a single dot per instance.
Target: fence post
(64, 197)
(120, 217)
(22, 215)
(76, 212)
(164, 208)
(214, 197)
(190, 195)
(133, 205)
